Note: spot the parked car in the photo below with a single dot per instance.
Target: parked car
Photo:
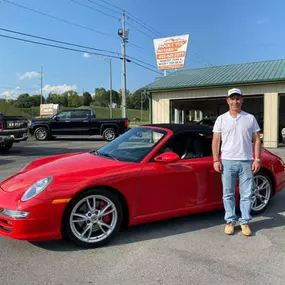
(150, 173)
(13, 129)
(76, 122)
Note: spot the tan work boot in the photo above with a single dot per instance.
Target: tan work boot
(229, 229)
(245, 229)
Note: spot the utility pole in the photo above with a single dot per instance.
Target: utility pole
(124, 35)
(111, 91)
(41, 85)
(109, 60)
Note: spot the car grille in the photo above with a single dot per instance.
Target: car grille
(5, 225)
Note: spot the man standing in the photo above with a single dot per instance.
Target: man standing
(236, 130)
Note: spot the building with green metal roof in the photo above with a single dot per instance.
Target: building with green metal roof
(191, 95)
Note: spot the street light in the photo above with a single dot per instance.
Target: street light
(108, 59)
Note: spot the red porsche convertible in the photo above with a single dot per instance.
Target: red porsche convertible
(149, 173)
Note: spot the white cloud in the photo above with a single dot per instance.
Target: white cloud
(262, 21)
(28, 75)
(11, 94)
(58, 88)
(86, 54)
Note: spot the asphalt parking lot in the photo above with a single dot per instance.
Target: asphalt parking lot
(188, 250)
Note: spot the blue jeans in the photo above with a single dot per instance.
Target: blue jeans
(233, 170)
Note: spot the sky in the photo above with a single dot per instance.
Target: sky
(221, 32)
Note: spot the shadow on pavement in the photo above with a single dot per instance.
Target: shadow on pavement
(272, 219)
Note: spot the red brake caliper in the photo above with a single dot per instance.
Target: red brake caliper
(107, 218)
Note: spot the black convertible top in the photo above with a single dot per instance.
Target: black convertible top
(177, 128)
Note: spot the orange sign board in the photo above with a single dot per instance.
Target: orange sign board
(171, 52)
(46, 109)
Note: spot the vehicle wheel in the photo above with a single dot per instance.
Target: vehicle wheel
(109, 134)
(6, 146)
(262, 194)
(41, 133)
(93, 218)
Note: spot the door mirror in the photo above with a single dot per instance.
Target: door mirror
(54, 117)
(167, 157)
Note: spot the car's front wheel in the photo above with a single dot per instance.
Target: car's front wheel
(262, 193)
(93, 218)
(41, 133)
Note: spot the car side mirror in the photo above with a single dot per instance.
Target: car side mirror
(167, 157)
(55, 118)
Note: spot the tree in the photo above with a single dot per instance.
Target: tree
(139, 98)
(87, 99)
(24, 101)
(106, 98)
(100, 97)
(74, 100)
(36, 100)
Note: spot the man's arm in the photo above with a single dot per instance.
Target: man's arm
(257, 145)
(216, 146)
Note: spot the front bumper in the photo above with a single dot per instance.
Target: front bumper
(43, 222)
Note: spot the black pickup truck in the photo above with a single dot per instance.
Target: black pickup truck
(12, 129)
(77, 122)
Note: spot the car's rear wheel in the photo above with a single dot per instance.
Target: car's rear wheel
(109, 134)
(41, 133)
(93, 218)
(262, 193)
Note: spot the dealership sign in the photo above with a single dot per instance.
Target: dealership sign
(48, 109)
(171, 52)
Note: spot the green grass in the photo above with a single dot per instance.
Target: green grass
(9, 110)
(101, 112)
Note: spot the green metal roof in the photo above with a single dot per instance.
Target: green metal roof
(218, 76)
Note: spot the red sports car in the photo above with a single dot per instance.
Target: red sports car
(149, 173)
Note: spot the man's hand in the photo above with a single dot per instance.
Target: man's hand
(255, 166)
(218, 166)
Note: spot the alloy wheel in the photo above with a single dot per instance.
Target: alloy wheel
(93, 219)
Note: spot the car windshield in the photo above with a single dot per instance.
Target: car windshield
(133, 145)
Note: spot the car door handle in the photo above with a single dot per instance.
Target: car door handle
(67, 121)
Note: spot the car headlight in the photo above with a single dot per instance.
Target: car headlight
(36, 188)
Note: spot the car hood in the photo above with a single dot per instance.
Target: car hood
(78, 166)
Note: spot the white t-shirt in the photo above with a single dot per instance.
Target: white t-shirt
(236, 135)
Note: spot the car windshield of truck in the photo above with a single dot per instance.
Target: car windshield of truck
(133, 145)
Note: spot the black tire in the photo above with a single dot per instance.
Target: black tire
(109, 134)
(268, 192)
(6, 147)
(41, 133)
(71, 230)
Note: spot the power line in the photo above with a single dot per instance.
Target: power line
(55, 46)
(146, 67)
(147, 27)
(94, 9)
(114, 6)
(139, 30)
(76, 50)
(72, 44)
(59, 19)
(100, 5)
(56, 41)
